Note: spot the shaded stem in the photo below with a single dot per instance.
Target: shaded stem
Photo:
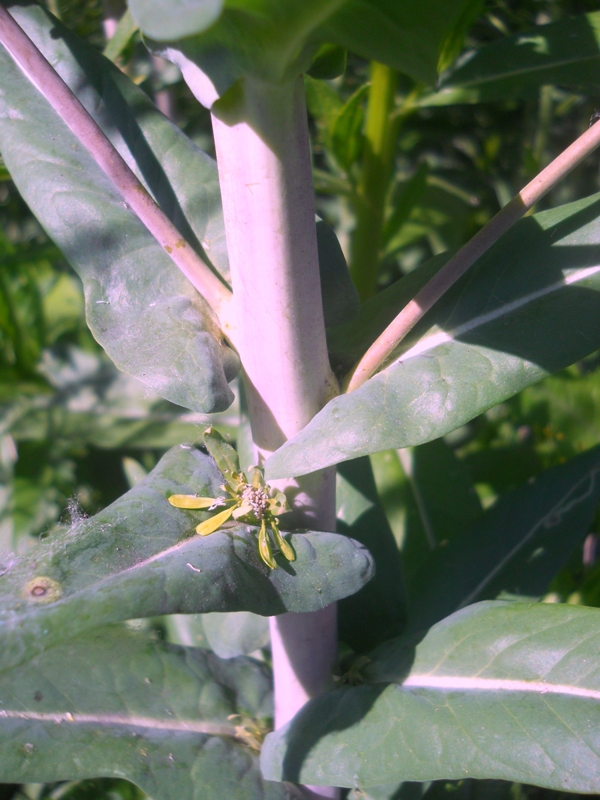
(71, 111)
(468, 254)
(376, 170)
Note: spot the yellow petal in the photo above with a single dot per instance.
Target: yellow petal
(214, 523)
(285, 547)
(191, 501)
(264, 547)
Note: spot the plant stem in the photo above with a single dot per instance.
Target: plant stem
(262, 146)
(468, 254)
(376, 170)
(72, 112)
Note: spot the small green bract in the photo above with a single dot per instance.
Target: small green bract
(249, 500)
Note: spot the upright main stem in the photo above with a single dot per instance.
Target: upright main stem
(263, 154)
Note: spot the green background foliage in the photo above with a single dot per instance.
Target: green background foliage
(488, 493)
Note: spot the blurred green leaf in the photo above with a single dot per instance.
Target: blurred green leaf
(345, 129)
(445, 500)
(236, 633)
(378, 611)
(496, 690)
(565, 53)
(329, 63)
(121, 38)
(520, 543)
(114, 702)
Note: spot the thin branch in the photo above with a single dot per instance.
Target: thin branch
(467, 255)
(68, 107)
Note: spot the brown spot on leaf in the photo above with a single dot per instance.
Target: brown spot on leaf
(42, 590)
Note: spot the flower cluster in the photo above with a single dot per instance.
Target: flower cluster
(247, 499)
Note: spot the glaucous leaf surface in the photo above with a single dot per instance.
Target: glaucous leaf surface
(139, 306)
(564, 53)
(529, 307)
(498, 690)
(140, 557)
(521, 543)
(114, 702)
(378, 611)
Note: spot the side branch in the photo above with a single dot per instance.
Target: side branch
(68, 107)
(467, 255)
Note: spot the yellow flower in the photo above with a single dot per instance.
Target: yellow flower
(250, 500)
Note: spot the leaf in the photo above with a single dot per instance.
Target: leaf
(444, 495)
(116, 703)
(235, 634)
(178, 19)
(329, 63)
(564, 53)
(268, 40)
(139, 306)
(225, 457)
(406, 36)
(340, 298)
(410, 193)
(345, 129)
(454, 40)
(378, 611)
(121, 38)
(498, 690)
(140, 557)
(521, 543)
(276, 41)
(529, 307)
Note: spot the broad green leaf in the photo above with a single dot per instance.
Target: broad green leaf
(117, 703)
(499, 690)
(564, 53)
(140, 557)
(521, 543)
(236, 633)
(378, 611)
(143, 311)
(529, 307)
